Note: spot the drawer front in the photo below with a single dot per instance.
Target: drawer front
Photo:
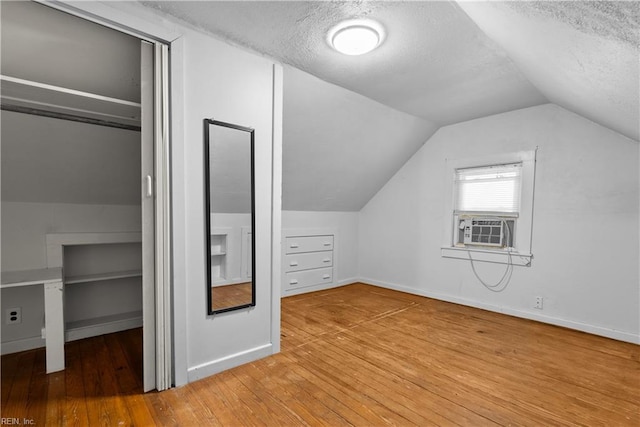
(300, 244)
(308, 260)
(300, 279)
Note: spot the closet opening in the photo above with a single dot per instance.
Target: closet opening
(84, 190)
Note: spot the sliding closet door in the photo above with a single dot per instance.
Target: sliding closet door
(156, 255)
(148, 219)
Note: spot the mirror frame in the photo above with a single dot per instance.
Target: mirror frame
(207, 189)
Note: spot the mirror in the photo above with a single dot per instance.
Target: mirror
(229, 188)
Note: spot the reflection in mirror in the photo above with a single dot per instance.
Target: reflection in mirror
(229, 187)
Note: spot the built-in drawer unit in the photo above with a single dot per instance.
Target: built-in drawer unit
(308, 260)
(318, 276)
(298, 244)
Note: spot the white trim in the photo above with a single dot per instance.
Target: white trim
(231, 361)
(523, 237)
(57, 241)
(102, 325)
(178, 214)
(276, 206)
(14, 279)
(127, 18)
(25, 344)
(578, 326)
(500, 256)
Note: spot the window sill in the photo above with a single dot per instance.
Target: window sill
(498, 256)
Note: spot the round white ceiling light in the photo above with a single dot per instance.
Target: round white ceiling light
(356, 37)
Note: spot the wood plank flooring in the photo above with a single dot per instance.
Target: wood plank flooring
(357, 355)
(231, 295)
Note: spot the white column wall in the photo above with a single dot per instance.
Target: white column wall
(230, 85)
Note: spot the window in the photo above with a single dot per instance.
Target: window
(488, 189)
(489, 209)
(486, 199)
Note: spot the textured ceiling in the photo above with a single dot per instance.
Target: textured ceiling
(435, 63)
(583, 56)
(351, 122)
(442, 61)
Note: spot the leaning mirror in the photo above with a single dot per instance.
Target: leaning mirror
(229, 188)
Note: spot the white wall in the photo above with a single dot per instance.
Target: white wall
(585, 223)
(227, 84)
(24, 230)
(345, 224)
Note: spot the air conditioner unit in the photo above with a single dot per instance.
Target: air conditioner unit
(483, 231)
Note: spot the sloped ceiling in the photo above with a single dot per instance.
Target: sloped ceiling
(442, 61)
(351, 122)
(434, 63)
(340, 148)
(583, 56)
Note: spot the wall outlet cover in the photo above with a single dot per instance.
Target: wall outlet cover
(13, 316)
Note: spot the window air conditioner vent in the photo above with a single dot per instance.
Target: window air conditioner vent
(484, 231)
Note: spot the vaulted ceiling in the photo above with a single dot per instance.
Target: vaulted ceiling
(442, 62)
(351, 122)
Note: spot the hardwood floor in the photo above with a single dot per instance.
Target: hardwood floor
(356, 355)
(231, 295)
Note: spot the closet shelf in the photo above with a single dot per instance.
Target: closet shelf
(29, 97)
(102, 276)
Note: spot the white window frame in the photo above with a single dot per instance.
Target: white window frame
(521, 253)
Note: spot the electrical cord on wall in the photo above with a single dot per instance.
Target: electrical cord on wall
(501, 285)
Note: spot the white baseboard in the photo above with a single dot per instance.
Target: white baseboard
(102, 326)
(216, 366)
(22, 345)
(583, 327)
(79, 330)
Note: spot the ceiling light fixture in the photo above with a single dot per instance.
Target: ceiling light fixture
(356, 37)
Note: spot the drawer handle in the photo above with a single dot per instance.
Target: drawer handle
(294, 245)
(326, 260)
(327, 243)
(293, 263)
(326, 276)
(293, 282)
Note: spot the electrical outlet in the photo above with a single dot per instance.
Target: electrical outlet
(13, 316)
(538, 304)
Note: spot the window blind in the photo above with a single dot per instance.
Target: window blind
(488, 189)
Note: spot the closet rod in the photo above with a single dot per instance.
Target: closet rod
(70, 117)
